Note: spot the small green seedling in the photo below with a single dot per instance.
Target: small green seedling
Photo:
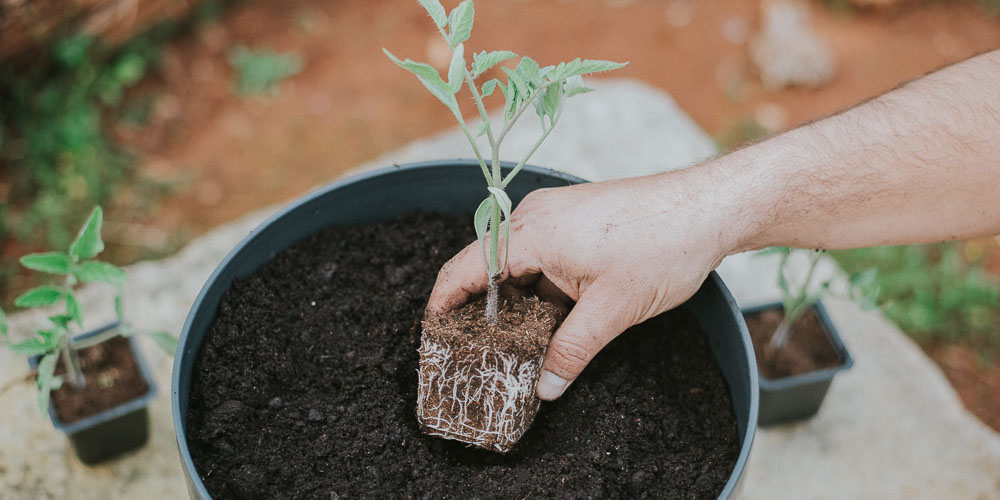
(528, 85)
(797, 299)
(55, 342)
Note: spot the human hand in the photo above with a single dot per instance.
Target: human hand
(624, 251)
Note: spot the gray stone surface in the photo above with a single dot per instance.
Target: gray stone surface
(890, 428)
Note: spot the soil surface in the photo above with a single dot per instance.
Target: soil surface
(113, 378)
(807, 348)
(306, 388)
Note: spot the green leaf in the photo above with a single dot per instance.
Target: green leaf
(456, 70)
(489, 87)
(502, 199)
(49, 262)
(61, 320)
(430, 78)
(482, 128)
(32, 347)
(529, 69)
(574, 86)
(88, 242)
(105, 272)
(165, 340)
(73, 308)
(484, 61)
(577, 67)
(3, 323)
(550, 101)
(460, 22)
(481, 221)
(41, 296)
(436, 11)
(45, 380)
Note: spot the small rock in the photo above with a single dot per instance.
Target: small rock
(639, 477)
(275, 403)
(315, 415)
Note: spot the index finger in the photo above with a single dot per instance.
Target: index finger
(459, 279)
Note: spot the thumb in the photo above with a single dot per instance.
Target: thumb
(591, 324)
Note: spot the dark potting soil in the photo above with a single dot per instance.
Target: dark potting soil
(113, 378)
(806, 349)
(306, 388)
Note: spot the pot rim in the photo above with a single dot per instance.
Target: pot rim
(732, 484)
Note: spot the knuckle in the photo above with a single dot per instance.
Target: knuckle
(570, 355)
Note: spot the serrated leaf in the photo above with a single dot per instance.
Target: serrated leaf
(41, 296)
(98, 271)
(579, 67)
(516, 79)
(484, 61)
(550, 101)
(489, 87)
(44, 379)
(510, 96)
(165, 340)
(482, 128)
(73, 309)
(481, 220)
(529, 69)
(88, 241)
(460, 22)
(48, 262)
(429, 77)
(456, 70)
(436, 11)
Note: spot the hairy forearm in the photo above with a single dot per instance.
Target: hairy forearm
(918, 164)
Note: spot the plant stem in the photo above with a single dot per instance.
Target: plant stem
(71, 361)
(793, 308)
(492, 299)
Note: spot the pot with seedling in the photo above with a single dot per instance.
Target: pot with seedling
(798, 348)
(94, 384)
(306, 354)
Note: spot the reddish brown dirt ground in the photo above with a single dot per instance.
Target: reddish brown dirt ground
(230, 155)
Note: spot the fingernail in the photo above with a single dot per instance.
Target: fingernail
(550, 385)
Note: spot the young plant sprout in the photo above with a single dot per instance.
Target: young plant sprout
(55, 342)
(798, 298)
(528, 85)
(478, 371)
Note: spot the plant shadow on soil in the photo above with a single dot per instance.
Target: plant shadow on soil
(306, 388)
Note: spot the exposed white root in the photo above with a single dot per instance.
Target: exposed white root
(487, 400)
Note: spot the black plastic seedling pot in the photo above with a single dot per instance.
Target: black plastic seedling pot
(115, 431)
(799, 397)
(447, 187)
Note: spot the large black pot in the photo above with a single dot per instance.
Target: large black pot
(447, 187)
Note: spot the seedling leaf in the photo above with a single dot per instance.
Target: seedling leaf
(88, 242)
(574, 86)
(484, 61)
(73, 308)
(48, 262)
(3, 323)
(95, 270)
(436, 11)
(41, 296)
(34, 346)
(482, 128)
(429, 77)
(456, 70)
(481, 221)
(460, 22)
(489, 87)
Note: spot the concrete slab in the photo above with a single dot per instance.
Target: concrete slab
(891, 427)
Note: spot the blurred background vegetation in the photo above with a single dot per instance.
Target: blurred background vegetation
(180, 116)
